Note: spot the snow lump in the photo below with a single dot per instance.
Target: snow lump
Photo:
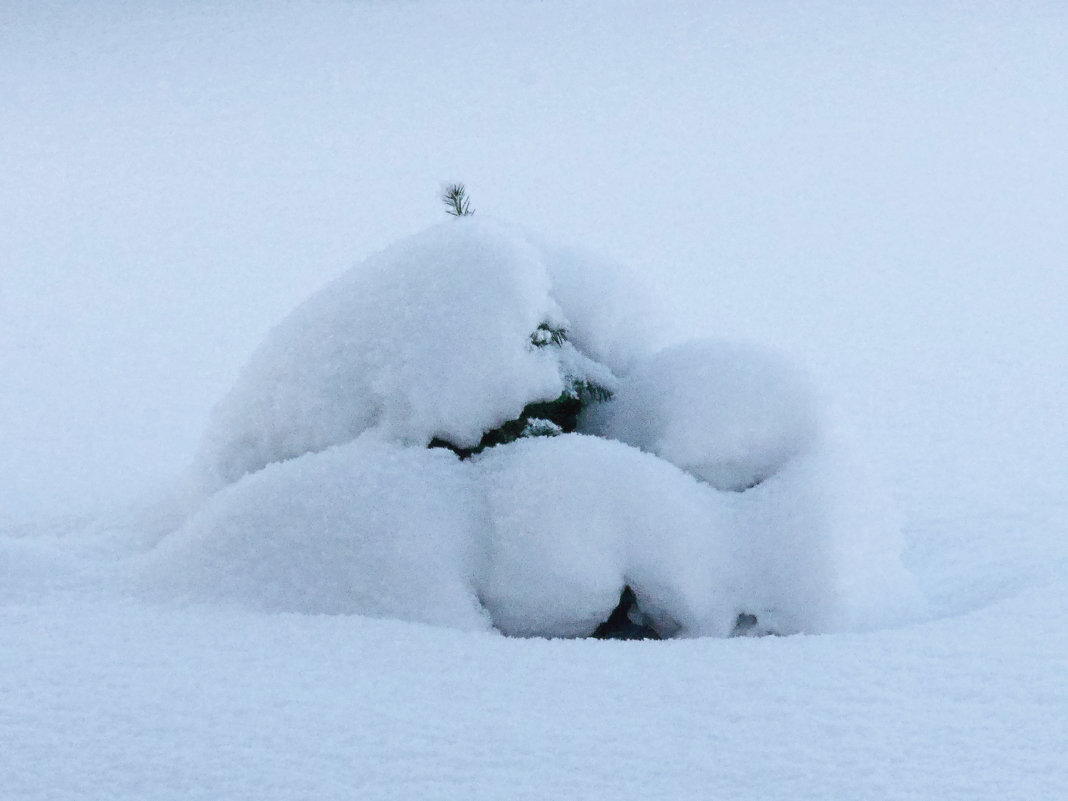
(731, 415)
(476, 429)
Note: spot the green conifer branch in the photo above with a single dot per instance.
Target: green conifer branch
(454, 196)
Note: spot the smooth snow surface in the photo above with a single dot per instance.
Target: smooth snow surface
(368, 527)
(118, 700)
(730, 415)
(875, 193)
(576, 518)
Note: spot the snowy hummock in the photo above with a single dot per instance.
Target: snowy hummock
(368, 527)
(713, 491)
(537, 538)
(431, 338)
(730, 414)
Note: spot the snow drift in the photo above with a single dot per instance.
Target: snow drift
(700, 477)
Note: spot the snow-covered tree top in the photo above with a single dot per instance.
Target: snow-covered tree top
(428, 339)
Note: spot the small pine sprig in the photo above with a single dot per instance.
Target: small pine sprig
(587, 391)
(454, 196)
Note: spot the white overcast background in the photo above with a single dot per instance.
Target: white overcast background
(177, 177)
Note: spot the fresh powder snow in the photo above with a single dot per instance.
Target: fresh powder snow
(814, 253)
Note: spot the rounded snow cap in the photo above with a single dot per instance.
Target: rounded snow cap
(728, 414)
(441, 336)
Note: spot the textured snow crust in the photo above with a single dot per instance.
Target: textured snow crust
(714, 491)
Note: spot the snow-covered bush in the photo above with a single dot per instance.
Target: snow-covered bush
(476, 429)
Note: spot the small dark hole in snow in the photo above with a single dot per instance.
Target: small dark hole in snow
(627, 621)
(745, 625)
(756, 482)
(748, 625)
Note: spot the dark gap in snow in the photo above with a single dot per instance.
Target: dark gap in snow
(745, 625)
(544, 418)
(627, 621)
(756, 482)
(748, 625)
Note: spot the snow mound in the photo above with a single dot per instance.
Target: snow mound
(715, 501)
(539, 538)
(574, 519)
(368, 527)
(729, 414)
(429, 339)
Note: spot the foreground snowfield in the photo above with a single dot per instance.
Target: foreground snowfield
(109, 697)
(881, 198)
(114, 699)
